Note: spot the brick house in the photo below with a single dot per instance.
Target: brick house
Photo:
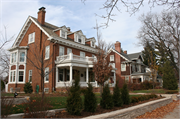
(63, 52)
(130, 67)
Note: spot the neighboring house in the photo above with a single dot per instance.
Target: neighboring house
(71, 52)
(130, 67)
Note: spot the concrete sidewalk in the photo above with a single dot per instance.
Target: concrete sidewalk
(174, 114)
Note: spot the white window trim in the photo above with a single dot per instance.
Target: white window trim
(122, 68)
(45, 89)
(83, 53)
(20, 56)
(45, 75)
(14, 58)
(33, 35)
(92, 45)
(47, 57)
(111, 57)
(23, 76)
(10, 77)
(68, 50)
(59, 50)
(29, 76)
(61, 33)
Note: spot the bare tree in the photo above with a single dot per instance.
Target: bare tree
(132, 6)
(101, 67)
(163, 31)
(4, 62)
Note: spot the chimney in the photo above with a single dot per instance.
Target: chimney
(41, 15)
(125, 51)
(68, 28)
(118, 46)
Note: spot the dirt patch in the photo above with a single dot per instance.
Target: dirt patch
(65, 114)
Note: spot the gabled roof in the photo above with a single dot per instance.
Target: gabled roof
(135, 56)
(127, 57)
(48, 29)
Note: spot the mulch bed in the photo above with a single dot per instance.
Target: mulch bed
(99, 110)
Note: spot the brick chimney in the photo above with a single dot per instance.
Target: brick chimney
(125, 51)
(41, 15)
(118, 46)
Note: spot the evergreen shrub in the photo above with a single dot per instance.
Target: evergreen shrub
(74, 101)
(107, 99)
(28, 88)
(117, 96)
(125, 95)
(90, 101)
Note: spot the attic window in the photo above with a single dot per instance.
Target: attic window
(31, 37)
(63, 34)
(79, 38)
(92, 44)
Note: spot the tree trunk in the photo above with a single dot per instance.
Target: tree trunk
(101, 89)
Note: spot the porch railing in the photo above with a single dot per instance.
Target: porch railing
(71, 56)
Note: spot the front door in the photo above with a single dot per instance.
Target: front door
(82, 76)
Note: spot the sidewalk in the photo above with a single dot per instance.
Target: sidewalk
(174, 114)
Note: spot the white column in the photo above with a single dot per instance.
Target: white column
(71, 73)
(57, 74)
(17, 67)
(114, 78)
(87, 75)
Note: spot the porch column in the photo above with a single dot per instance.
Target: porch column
(114, 78)
(87, 75)
(71, 73)
(57, 74)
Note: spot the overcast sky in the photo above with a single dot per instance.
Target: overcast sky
(77, 16)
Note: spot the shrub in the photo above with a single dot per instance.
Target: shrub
(117, 96)
(90, 101)
(28, 88)
(36, 107)
(125, 95)
(107, 100)
(74, 101)
(142, 98)
(171, 92)
(6, 106)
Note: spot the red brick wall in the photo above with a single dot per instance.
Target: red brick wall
(57, 32)
(13, 67)
(89, 43)
(71, 36)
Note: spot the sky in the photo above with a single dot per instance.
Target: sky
(78, 16)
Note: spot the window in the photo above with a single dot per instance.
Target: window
(12, 76)
(63, 34)
(69, 50)
(82, 54)
(61, 51)
(79, 38)
(111, 57)
(31, 38)
(68, 76)
(126, 78)
(22, 56)
(46, 74)
(13, 57)
(123, 67)
(21, 74)
(92, 44)
(46, 90)
(60, 75)
(30, 75)
(47, 51)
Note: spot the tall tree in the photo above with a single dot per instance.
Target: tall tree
(163, 31)
(101, 67)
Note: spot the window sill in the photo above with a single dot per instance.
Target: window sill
(30, 42)
(46, 82)
(46, 59)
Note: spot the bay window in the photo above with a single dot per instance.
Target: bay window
(12, 76)
(21, 75)
(13, 57)
(22, 56)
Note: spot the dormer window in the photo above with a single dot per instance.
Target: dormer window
(80, 39)
(63, 34)
(92, 44)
